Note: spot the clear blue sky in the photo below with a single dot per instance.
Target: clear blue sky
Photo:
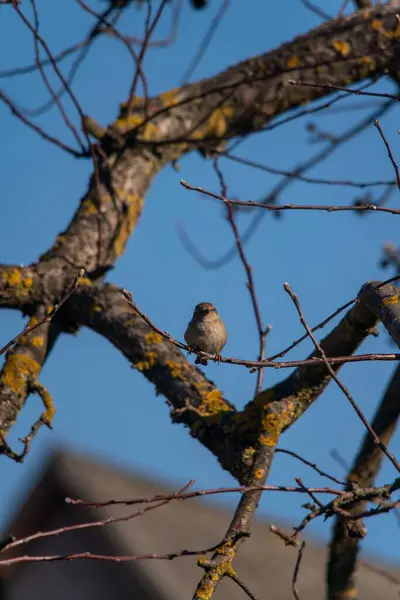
(104, 407)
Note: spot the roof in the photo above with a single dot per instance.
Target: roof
(263, 562)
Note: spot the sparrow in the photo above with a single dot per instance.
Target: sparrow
(206, 331)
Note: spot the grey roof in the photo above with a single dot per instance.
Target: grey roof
(263, 562)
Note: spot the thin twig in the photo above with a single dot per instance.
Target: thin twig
(49, 316)
(315, 360)
(341, 385)
(303, 178)
(389, 151)
(207, 492)
(310, 464)
(349, 91)
(281, 207)
(45, 534)
(317, 10)
(149, 28)
(205, 42)
(262, 332)
(296, 570)
(242, 585)
(325, 322)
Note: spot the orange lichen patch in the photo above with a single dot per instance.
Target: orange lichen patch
(153, 337)
(48, 414)
(390, 300)
(130, 122)
(149, 360)
(247, 455)
(392, 34)
(293, 62)
(342, 47)
(37, 341)
(31, 323)
(218, 120)
(215, 125)
(175, 369)
(205, 593)
(135, 102)
(212, 402)
(367, 60)
(17, 370)
(170, 98)
(272, 425)
(150, 132)
(18, 279)
(89, 206)
(131, 320)
(91, 203)
(268, 440)
(215, 572)
(60, 239)
(259, 473)
(134, 204)
(367, 65)
(85, 281)
(377, 25)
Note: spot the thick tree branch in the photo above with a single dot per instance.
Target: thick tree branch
(277, 408)
(19, 287)
(384, 302)
(20, 372)
(233, 437)
(243, 98)
(345, 546)
(193, 399)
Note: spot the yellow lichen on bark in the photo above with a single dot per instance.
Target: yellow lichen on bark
(170, 98)
(212, 401)
(293, 62)
(390, 300)
(48, 415)
(218, 120)
(134, 205)
(16, 278)
(342, 47)
(18, 369)
(129, 122)
(175, 369)
(37, 341)
(149, 360)
(153, 338)
(215, 571)
(259, 473)
(378, 26)
(215, 125)
(248, 454)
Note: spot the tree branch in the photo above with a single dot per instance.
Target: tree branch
(345, 547)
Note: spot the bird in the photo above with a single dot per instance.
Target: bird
(206, 331)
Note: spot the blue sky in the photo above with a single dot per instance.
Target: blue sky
(105, 408)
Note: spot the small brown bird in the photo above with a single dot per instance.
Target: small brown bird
(206, 331)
